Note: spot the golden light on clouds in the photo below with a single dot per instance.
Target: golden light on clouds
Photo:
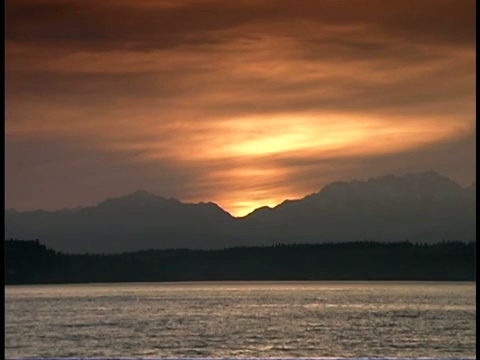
(242, 103)
(247, 145)
(314, 136)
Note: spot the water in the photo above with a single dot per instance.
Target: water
(242, 319)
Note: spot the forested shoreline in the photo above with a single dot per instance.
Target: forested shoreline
(30, 262)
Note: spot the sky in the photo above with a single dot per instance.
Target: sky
(243, 103)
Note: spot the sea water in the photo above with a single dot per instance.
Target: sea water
(242, 319)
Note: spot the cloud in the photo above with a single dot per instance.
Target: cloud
(239, 102)
(163, 24)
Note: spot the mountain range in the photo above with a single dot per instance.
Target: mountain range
(423, 207)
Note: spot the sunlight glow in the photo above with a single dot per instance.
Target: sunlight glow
(250, 150)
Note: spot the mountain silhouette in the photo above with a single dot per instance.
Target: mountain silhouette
(424, 207)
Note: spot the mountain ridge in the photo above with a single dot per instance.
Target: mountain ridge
(149, 196)
(420, 207)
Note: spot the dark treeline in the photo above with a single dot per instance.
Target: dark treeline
(30, 262)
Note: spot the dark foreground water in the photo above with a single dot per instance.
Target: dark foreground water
(242, 319)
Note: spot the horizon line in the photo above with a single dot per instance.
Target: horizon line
(200, 202)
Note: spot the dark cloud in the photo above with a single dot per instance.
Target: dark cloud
(157, 25)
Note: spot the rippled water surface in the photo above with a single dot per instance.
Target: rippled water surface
(241, 319)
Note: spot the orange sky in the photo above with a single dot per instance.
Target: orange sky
(243, 103)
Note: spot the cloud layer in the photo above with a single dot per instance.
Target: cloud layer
(245, 103)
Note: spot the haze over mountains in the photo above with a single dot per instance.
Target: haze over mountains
(424, 207)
